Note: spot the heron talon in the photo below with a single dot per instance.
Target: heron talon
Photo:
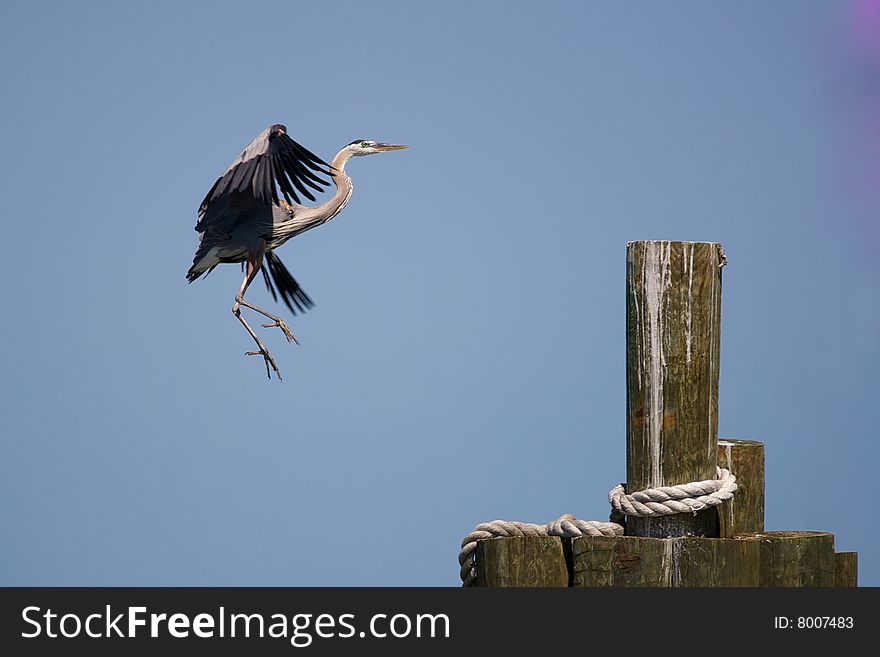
(267, 357)
(280, 323)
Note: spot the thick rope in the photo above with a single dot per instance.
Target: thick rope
(669, 500)
(566, 526)
(653, 502)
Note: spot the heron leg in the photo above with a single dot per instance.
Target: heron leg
(279, 323)
(254, 262)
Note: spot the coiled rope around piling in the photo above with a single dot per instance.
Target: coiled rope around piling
(649, 503)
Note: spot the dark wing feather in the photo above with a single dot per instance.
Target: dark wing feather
(284, 183)
(268, 160)
(312, 180)
(300, 173)
(276, 276)
(233, 220)
(263, 176)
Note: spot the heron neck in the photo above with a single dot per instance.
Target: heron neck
(311, 217)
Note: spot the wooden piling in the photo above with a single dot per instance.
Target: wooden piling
(745, 512)
(621, 561)
(673, 333)
(797, 559)
(522, 561)
(669, 562)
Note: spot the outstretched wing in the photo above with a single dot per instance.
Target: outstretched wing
(277, 277)
(273, 158)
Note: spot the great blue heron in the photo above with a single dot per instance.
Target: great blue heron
(242, 219)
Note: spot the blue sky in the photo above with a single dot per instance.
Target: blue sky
(465, 361)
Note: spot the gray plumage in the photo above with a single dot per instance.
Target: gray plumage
(272, 157)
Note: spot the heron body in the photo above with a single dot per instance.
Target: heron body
(243, 219)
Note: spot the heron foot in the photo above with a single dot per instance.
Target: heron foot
(279, 323)
(267, 357)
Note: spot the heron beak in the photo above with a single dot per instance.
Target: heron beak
(390, 147)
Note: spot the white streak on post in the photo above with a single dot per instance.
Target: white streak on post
(637, 311)
(728, 452)
(656, 277)
(669, 563)
(689, 268)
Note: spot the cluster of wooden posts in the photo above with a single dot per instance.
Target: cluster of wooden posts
(673, 358)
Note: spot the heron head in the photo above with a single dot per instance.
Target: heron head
(277, 130)
(368, 147)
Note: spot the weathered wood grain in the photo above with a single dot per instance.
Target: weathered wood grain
(717, 561)
(522, 561)
(621, 561)
(797, 558)
(673, 334)
(846, 569)
(686, 561)
(745, 512)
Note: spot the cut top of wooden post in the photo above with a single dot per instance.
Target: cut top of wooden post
(673, 339)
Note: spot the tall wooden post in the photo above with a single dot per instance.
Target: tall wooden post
(673, 340)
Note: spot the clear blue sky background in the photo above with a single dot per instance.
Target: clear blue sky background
(466, 358)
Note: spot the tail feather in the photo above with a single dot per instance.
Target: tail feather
(280, 281)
